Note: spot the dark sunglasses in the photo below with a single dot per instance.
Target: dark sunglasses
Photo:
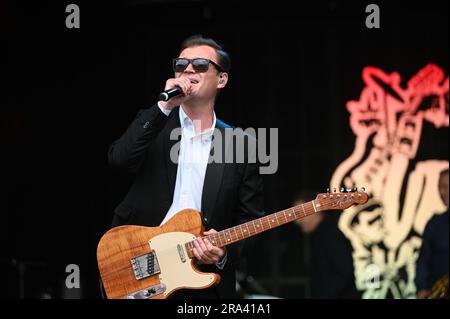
(199, 65)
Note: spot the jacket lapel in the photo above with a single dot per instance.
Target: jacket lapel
(213, 176)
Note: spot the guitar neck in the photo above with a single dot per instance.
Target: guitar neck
(257, 226)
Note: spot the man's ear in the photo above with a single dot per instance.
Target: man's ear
(223, 80)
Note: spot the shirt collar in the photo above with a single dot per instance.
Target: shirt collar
(185, 120)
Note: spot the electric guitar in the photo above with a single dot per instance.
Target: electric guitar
(137, 262)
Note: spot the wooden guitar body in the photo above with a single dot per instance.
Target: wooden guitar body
(121, 268)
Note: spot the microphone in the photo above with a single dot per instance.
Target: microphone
(170, 93)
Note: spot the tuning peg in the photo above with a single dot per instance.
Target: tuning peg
(342, 189)
(349, 190)
(334, 190)
(363, 189)
(328, 190)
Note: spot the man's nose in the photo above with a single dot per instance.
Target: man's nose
(189, 69)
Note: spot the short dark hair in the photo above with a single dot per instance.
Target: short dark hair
(223, 57)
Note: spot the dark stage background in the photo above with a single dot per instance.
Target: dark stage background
(68, 93)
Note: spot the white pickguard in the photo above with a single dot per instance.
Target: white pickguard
(175, 273)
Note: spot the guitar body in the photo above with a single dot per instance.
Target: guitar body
(138, 262)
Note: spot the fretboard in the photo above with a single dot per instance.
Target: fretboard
(257, 226)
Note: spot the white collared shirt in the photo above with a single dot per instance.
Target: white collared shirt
(192, 161)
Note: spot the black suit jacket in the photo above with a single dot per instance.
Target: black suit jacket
(232, 192)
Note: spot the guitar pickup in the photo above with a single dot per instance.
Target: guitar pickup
(181, 253)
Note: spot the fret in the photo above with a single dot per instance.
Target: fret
(276, 219)
(255, 230)
(257, 226)
(271, 221)
(241, 236)
(285, 217)
(314, 206)
(224, 237)
(254, 227)
(246, 225)
(244, 232)
(236, 229)
(217, 239)
(304, 213)
(222, 241)
(267, 220)
(260, 224)
(213, 239)
(228, 237)
(233, 229)
(311, 209)
(234, 235)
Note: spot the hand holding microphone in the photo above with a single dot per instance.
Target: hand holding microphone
(176, 91)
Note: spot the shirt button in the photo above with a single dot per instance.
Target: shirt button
(205, 219)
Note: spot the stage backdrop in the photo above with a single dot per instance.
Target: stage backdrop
(390, 161)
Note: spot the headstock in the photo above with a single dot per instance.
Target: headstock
(340, 200)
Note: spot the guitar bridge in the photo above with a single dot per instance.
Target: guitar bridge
(145, 265)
